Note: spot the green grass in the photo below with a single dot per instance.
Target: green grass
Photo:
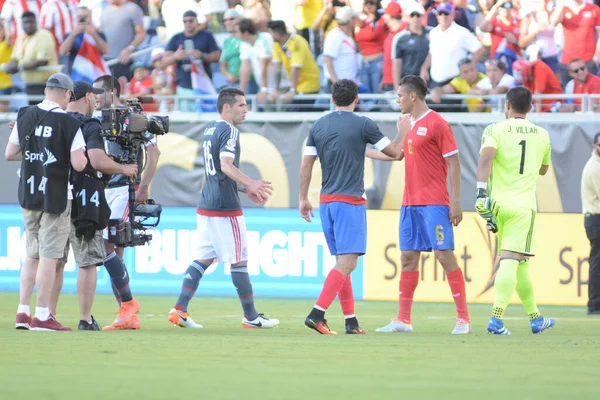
(224, 361)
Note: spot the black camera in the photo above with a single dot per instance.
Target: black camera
(82, 20)
(128, 126)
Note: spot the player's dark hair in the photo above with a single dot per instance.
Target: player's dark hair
(278, 27)
(109, 83)
(227, 96)
(520, 99)
(596, 136)
(28, 14)
(344, 92)
(246, 25)
(415, 84)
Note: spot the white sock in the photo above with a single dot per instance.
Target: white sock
(23, 309)
(42, 313)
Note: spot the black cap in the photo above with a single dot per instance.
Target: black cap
(190, 13)
(81, 88)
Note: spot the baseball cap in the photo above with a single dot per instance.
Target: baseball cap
(137, 64)
(393, 9)
(345, 14)
(231, 13)
(60, 81)
(445, 7)
(81, 88)
(190, 13)
(157, 53)
(415, 7)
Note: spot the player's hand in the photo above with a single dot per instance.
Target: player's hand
(484, 204)
(11, 124)
(289, 96)
(456, 212)
(259, 191)
(129, 170)
(403, 124)
(273, 96)
(306, 210)
(142, 194)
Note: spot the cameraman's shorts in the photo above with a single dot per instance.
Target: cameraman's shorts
(47, 234)
(118, 201)
(222, 238)
(87, 253)
(516, 229)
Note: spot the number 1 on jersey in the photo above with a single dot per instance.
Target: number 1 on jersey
(523, 145)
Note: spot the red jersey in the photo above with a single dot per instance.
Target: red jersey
(388, 78)
(426, 146)
(580, 33)
(590, 86)
(370, 38)
(499, 28)
(545, 82)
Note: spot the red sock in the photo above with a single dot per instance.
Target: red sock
(347, 298)
(456, 281)
(332, 286)
(408, 283)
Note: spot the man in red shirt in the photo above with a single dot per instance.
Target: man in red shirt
(582, 83)
(393, 19)
(581, 23)
(539, 78)
(428, 212)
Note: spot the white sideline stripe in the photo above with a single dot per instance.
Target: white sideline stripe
(589, 319)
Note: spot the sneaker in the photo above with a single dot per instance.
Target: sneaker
(51, 324)
(395, 326)
(86, 326)
(260, 322)
(126, 318)
(355, 330)
(182, 319)
(462, 327)
(496, 327)
(540, 324)
(319, 326)
(23, 321)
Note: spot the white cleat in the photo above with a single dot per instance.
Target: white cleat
(395, 326)
(260, 322)
(182, 319)
(462, 327)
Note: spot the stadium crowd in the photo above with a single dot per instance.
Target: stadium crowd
(195, 47)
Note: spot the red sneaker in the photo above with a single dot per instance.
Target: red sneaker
(51, 324)
(23, 321)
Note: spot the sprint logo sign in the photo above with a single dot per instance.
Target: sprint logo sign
(46, 158)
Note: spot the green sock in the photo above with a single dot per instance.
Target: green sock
(506, 281)
(525, 290)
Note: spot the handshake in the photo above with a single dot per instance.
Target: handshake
(484, 206)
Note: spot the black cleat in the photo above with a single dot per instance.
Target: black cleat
(354, 330)
(319, 326)
(86, 326)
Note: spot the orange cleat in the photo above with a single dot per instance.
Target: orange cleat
(126, 318)
(319, 326)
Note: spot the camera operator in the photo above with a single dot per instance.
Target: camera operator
(89, 205)
(117, 195)
(48, 142)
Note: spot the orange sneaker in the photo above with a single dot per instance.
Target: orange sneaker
(126, 318)
(182, 319)
(319, 326)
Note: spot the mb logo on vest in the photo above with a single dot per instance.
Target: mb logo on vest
(43, 131)
(33, 157)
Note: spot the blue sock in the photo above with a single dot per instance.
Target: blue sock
(191, 280)
(118, 275)
(241, 281)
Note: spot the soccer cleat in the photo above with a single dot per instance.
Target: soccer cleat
(395, 326)
(355, 330)
(51, 324)
(132, 322)
(496, 327)
(540, 324)
(261, 322)
(23, 321)
(182, 319)
(462, 327)
(86, 326)
(319, 326)
(126, 318)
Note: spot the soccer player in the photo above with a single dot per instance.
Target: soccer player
(428, 211)
(513, 154)
(339, 139)
(221, 224)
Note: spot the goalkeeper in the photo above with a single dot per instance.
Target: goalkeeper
(513, 154)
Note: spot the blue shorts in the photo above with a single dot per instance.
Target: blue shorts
(345, 227)
(426, 228)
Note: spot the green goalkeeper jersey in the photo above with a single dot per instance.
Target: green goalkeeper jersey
(521, 149)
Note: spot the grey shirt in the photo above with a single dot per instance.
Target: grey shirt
(412, 49)
(118, 25)
(219, 195)
(340, 140)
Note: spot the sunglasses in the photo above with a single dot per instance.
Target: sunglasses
(229, 19)
(443, 13)
(370, 3)
(415, 14)
(579, 69)
(188, 21)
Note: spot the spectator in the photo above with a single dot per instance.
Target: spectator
(539, 79)
(463, 84)
(95, 7)
(459, 14)
(74, 40)
(163, 79)
(393, 20)
(123, 25)
(293, 52)
(194, 44)
(230, 57)
(141, 83)
(259, 11)
(370, 37)
(581, 24)
(536, 30)
(58, 17)
(448, 44)
(214, 10)
(12, 13)
(410, 47)
(504, 28)
(324, 23)
(5, 79)
(339, 49)
(497, 81)
(34, 48)
(582, 83)
(172, 13)
(305, 15)
(256, 52)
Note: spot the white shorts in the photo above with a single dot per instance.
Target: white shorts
(222, 238)
(118, 201)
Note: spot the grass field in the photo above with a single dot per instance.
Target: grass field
(224, 361)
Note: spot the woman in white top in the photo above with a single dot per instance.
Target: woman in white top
(536, 30)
